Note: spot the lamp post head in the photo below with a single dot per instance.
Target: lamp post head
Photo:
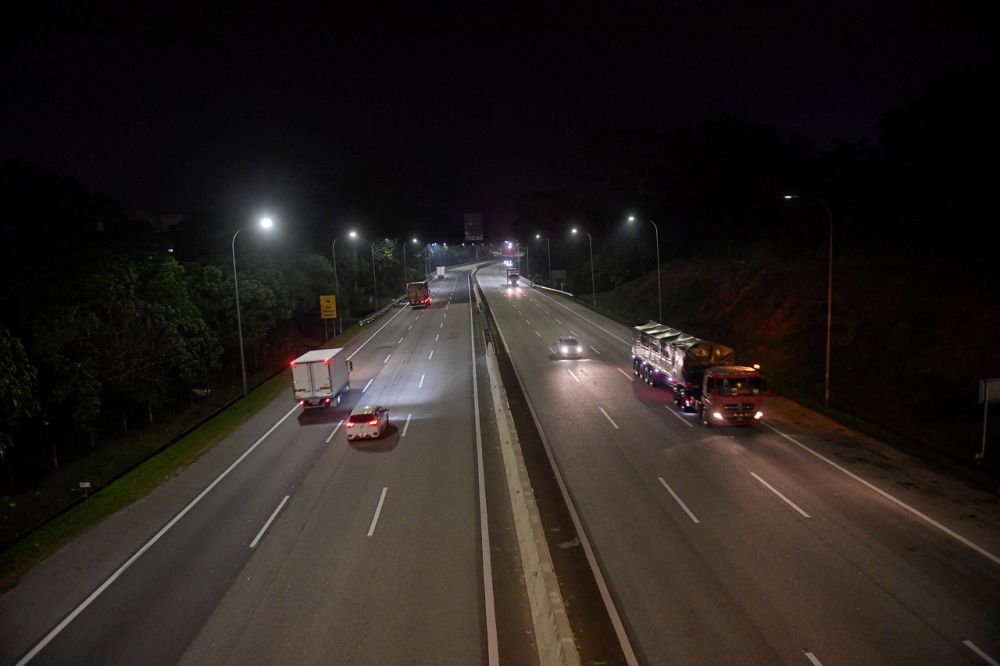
(631, 218)
(352, 233)
(414, 241)
(574, 230)
(791, 196)
(266, 223)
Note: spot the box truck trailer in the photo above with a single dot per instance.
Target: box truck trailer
(320, 377)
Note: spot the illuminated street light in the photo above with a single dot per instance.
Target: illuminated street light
(336, 282)
(414, 241)
(265, 223)
(593, 285)
(659, 293)
(829, 293)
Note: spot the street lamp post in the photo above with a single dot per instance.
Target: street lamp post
(593, 285)
(659, 293)
(265, 223)
(549, 250)
(404, 259)
(829, 292)
(374, 279)
(336, 280)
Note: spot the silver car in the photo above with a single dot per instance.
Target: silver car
(367, 422)
(569, 347)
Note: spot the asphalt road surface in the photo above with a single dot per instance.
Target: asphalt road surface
(288, 544)
(760, 545)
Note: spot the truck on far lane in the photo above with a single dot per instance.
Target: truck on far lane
(320, 377)
(702, 374)
(419, 294)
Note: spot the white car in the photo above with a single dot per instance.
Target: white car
(569, 347)
(367, 422)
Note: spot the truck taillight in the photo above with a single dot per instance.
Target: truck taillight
(292, 364)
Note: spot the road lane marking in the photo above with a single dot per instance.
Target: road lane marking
(678, 500)
(595, 350)
(436, 337)
(421, 384)
(334, 431)
(411, 326)
(538, 334)
(492, 649)
(149, 544)
(400, 340)
(812, 659)
(574, 377)
(368, 384)
(982, 655)
(627, 376)
(551, 350)
(442, 325)
(378, 510)
(557, 321)
(268, 523)
(608, 417)
(431, 355)
(775, 491)
(958, 537)
(354, 353)
(528, 322)
(386, 359)
(573, 333)
(683, 420)
(410, 416)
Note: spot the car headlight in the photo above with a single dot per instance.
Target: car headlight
(564, 350)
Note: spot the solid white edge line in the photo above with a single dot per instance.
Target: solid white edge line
(484, 523)
(335, 431)
(378, 510)
(958, 537)
(407, 425)
(421, 384)
(609, 418)
(573, 376)
(776, 492)
(678, 500)
(268, 523)
(812, 658)
(683, 420)
(149, 544)
(627, 376)
(368, 384)
(588, 548)
(985, 657)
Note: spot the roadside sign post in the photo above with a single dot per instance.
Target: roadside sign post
(989, 391)
(328, 310)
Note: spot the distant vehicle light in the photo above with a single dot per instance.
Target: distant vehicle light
(579, 349)
(759, 415)
(717, 415)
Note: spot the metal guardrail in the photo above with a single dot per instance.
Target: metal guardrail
(372, 317)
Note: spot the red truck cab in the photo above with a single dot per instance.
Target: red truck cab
(730, 395)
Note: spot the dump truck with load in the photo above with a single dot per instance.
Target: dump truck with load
(419, 294)
(320, 377)
(702, 374)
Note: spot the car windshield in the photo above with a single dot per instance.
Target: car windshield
(570, 342)
(737, 386)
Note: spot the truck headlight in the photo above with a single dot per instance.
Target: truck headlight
(759, 415)
(717, 415)
(564, 350)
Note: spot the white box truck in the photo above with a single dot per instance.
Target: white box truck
(320, 377)
(440, 272)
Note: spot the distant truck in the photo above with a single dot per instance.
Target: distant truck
(419, 294)
(440, 272)
(702, 374)
(512, 277)
(320, 377)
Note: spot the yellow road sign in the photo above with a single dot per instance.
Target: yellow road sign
(328, 307)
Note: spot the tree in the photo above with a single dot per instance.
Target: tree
(18, 383)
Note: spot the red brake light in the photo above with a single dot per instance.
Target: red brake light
(350, 424)
(326, 361)
(373, 422)
(292, 364)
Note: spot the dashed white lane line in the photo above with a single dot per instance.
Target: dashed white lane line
(982, 655)
(400, 340)
(442, 325)
(609, 418)
(411, 326)
(683, 420)
(431, 355)
(268, 523)
(627, 376)
(386, 359)
(678, 500)
(551, 350)
(405, 427)
(573, 333)
(595, 350)
(421, 384)
(776, 492)
(334, 431)
(538, 334)
(528, 322)
(812, 659)
(574, 377)
(378, 510)
(436, 337)
(558, 322)
(368, 384)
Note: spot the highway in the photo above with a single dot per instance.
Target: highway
(743, 546)
(287, 544)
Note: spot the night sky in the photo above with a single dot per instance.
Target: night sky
(225, 110)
